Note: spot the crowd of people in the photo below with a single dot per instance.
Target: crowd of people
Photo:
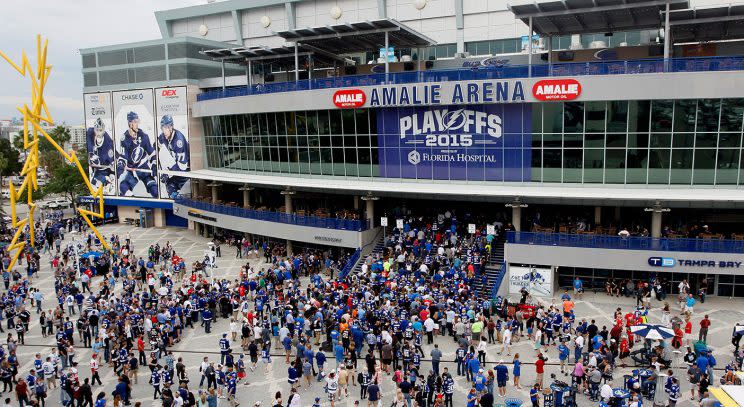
(330, 332)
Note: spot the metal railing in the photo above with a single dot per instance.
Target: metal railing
(626, 243)
(280, 217)
(499, 280)
(350, 264)
(639, 66)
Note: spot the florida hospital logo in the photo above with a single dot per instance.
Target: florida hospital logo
(414, 157)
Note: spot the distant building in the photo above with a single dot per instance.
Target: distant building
(77, 135)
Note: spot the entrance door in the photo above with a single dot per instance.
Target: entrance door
(698, 281)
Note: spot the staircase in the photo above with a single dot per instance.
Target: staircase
(494, 272)
(375, 246)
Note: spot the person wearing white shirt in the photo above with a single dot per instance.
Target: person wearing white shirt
(506, 336)
(606, 392)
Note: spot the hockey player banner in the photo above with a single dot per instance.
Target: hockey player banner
(99, 139)
(136, 151)
(537, 280)
(173, 140)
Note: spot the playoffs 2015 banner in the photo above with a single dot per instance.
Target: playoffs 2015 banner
(136, 151)
(99, 139)
(490, 142)
(173, 140)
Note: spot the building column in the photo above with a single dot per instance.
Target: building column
(356, 202)
(517, 218)
(246, 195)
(617, 214)
(656, 211)
(215, 191)
(288, 210)
(597, 215)
(369, 212)
(667, 38)
(516, 207)
(288, 202)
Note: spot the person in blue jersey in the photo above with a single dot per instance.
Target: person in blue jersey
(137, 160)
(173, 154)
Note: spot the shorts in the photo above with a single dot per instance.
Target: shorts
(501, 383)
(331, 396)
(254, 359)
(386, 361)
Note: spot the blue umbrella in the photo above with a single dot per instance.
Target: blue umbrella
(650, 331)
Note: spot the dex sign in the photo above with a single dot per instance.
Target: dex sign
(556, 89)
(349, 98)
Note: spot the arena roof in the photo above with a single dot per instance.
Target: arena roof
(564, 17)
(360, 36)
(707, 24)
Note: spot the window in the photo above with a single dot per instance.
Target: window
(594, 165)
(615, 166)
(573, 117)
(681, 172)
(731, 114)
(661, 115)
(728, 165)
(705, 164)
(637, 161)
(684, 115)
(707, 114)
(595, 117)
(639, 112)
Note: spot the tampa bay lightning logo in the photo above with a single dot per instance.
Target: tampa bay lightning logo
(454, 120)
(138, 154)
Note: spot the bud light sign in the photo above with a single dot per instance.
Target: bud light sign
(472, 142)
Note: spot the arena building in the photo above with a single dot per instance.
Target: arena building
(605, 134)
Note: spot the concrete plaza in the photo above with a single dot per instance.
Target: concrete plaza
(724, 313)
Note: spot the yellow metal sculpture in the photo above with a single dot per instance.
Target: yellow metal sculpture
(33, 116)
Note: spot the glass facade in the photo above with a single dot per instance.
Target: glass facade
(660, 142)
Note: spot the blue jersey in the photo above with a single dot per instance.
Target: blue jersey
(178, 148)
(138, 151)
(100, 152)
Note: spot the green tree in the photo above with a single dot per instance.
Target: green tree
(9, 162)
(60, 134)
(64, 178)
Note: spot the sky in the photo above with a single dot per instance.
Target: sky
(69, 25)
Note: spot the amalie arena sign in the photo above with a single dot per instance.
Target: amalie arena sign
(456, 93)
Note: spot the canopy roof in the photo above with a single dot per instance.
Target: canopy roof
(360, 36)
(707, 24)
(565, 17)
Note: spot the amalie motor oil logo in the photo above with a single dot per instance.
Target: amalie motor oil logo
(556, 89)
(349, 98)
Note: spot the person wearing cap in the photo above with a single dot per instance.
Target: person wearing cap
(479, 381)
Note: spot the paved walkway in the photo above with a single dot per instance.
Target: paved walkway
(196, 344)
